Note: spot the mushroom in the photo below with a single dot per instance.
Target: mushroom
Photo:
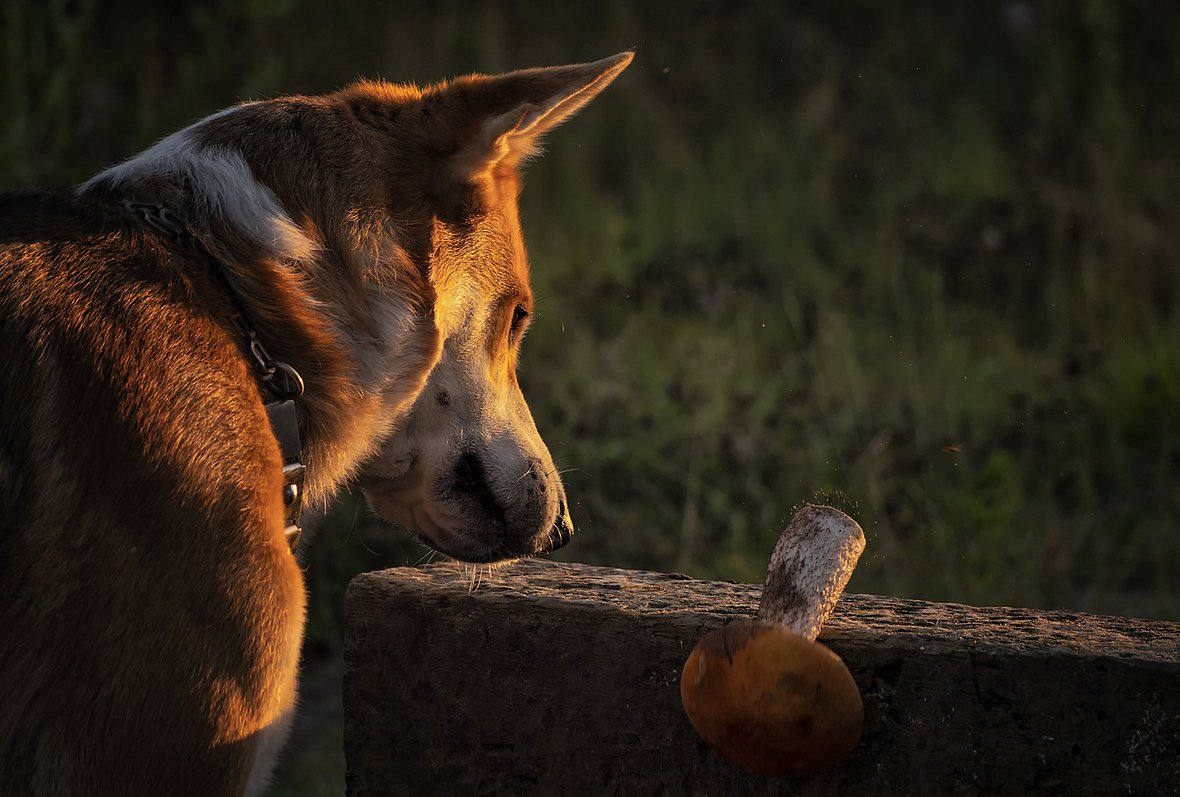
(763, 693)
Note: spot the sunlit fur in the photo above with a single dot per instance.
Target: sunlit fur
(222, 180)
(152, 613)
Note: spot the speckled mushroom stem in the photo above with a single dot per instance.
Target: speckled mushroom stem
(809, 569)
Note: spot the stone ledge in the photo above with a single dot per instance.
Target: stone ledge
(549, 678)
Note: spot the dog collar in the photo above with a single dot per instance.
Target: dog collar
(285, 424)
(281, 380)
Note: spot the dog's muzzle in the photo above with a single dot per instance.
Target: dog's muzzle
(562, 532)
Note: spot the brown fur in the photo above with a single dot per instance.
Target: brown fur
(150, 611)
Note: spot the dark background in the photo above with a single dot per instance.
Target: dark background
(920, 260)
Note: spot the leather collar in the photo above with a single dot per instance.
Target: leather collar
(277, 378)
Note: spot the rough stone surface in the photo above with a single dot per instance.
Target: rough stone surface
(563, 679)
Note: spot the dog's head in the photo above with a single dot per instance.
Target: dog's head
(466, 469)
(374, 234)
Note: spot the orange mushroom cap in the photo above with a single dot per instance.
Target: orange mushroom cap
(770, 700)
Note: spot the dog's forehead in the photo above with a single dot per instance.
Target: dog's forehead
(479, 267)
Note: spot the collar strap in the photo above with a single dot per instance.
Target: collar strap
(281, 379)
(285, 424)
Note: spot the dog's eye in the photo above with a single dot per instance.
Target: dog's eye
(519, 315)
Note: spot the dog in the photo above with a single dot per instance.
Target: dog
(281, 298)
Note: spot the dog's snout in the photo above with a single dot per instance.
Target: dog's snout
(512, 512)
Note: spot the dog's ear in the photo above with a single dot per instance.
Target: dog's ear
(496, 122)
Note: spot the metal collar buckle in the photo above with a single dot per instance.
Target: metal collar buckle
(283, 380)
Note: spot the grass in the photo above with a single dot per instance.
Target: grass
(917, 260)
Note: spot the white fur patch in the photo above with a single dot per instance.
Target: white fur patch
(224, 180)
(271, 740)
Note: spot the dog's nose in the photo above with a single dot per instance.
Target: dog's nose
(563, 529)
(470, 480)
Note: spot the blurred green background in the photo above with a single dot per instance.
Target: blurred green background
(920, 260)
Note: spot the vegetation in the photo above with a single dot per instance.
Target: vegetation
(921, 260)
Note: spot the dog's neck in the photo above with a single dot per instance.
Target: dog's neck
(277, 378)
(280, 382)
(344, 412)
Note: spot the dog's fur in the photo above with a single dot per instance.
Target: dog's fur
(150, 610)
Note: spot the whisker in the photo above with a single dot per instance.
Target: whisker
(361, 539)
(351, 528)
(354, 526)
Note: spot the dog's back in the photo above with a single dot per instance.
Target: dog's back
(127, 438)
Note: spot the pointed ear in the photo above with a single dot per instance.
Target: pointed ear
(497, 122)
